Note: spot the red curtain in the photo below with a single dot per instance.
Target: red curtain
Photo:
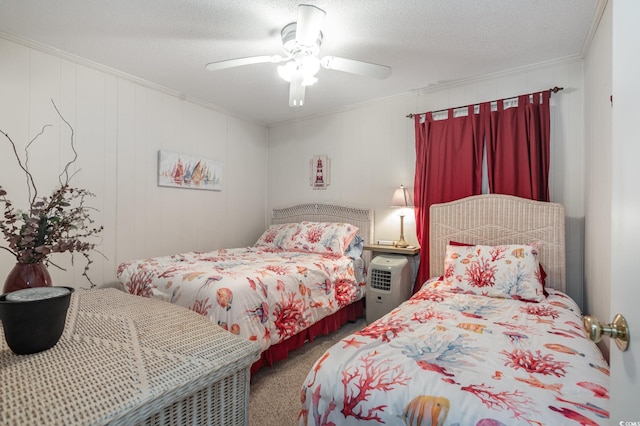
(518, 147)
(449, 158)
(448, 167)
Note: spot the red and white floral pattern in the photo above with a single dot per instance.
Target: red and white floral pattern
(445, 358)
(276, 236)
(263, 294)
(322, 237)
(501, 271)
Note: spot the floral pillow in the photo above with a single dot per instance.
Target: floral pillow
(276, 235)
(543, 273)
(322, 237)
(509, 271)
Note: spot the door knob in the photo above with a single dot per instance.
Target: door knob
(617, 330)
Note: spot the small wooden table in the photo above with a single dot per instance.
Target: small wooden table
(127, 360)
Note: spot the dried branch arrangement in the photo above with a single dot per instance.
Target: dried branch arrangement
(57, 223)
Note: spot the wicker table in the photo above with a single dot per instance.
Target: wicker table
(127, 360)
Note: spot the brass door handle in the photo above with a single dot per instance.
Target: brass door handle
(617, 330)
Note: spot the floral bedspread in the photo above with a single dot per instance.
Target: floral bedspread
(445, 358)
(262, 294)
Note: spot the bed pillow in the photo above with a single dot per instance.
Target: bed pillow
(508, 271)
(276, 235)
(543, 273)
(355, 248)
(322, 237)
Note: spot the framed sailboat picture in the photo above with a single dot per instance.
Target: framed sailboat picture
(187, 171)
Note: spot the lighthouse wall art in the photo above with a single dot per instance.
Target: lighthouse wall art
(320, 172)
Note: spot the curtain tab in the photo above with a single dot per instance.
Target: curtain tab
(545, 97)
(524, 100)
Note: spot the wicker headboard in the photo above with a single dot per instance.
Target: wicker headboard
(318, 212)
(500, 219)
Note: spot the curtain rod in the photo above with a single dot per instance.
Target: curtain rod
(555, 89)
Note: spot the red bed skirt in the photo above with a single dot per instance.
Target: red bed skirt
(326, 325)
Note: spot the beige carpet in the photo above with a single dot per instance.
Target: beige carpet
(275, 391)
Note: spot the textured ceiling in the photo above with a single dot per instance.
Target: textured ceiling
(426, 42)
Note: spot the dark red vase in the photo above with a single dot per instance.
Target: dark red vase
(27, 275)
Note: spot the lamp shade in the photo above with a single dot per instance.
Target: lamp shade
(402, 198)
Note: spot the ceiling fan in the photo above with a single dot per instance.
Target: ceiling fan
(301, 42)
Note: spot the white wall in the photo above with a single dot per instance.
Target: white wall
(371, 152)
(371, 147)
(120, 124)
(598, 179)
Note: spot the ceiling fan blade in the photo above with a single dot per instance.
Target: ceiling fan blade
(310, 19)
(366, 69)
(296, 90)
(230, 63)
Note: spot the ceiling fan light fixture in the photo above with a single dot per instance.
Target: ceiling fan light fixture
(310, 65)
(286, 71)
(306, 66)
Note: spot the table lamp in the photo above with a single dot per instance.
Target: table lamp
(402, 198)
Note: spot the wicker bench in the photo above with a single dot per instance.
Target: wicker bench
(129, 360)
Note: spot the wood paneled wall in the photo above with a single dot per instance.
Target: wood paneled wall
(120, 124)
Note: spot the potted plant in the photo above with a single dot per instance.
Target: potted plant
(57, 223)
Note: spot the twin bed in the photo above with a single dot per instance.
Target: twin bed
(305, 276)
(482, 343)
